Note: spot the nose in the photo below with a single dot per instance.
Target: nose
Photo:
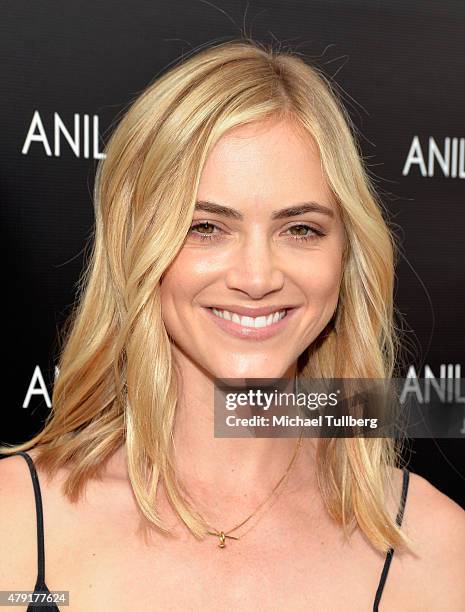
(255, 267)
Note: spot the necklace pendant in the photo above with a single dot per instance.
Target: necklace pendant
(222, 537)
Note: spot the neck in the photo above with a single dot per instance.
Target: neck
(228, 467)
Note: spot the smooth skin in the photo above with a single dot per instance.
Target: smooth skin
(294, 557)
(253, 262)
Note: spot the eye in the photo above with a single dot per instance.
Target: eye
(306, 232)
(204, 230)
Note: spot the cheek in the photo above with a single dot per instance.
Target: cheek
(175, 291)
(321, 278)
(181, 282)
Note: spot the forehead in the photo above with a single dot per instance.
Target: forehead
(267, 161)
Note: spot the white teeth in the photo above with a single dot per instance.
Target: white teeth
(255, 322)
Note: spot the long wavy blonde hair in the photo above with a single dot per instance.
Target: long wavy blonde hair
(117, 383)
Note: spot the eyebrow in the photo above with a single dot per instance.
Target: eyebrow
(282, 213)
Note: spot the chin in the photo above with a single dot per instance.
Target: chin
(265, 371)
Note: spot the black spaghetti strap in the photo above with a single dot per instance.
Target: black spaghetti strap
(387, 563)
(40, 584)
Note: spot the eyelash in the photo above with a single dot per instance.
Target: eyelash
(316, 236)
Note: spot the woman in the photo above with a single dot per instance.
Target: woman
(231, 188)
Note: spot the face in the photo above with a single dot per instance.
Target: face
(259, 274)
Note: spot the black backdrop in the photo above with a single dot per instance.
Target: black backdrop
(399, 66)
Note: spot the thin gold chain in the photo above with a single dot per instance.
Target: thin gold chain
(222, 535)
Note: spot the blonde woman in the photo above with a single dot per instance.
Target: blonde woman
(237, 235)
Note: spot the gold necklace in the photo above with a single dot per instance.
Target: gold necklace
(222, 535)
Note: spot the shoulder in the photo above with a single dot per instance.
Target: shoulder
(436, 524)
(15, 477)
(433, 508)
(18, 535)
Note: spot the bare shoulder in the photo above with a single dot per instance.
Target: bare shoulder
(16, 486)
(18, 535)
(436, 524)
(432, 508)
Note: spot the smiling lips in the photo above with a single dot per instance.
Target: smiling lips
(239, 322)
(246, 321)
